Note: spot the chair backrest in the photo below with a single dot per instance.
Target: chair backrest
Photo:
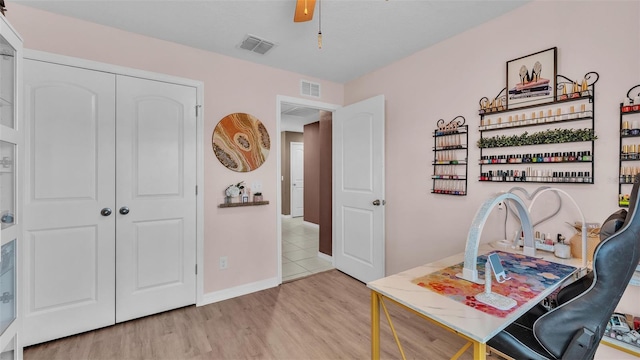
(614, 261)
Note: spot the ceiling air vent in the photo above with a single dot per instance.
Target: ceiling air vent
(308, 88)
(256, 45)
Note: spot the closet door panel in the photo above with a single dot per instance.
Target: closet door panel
(156, 179)
(70, 161)
(64, 143)
(158, 143)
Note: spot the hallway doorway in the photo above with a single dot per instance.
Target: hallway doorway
(300, 250)
(304, 244)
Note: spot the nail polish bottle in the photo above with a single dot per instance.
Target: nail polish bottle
(584, 91)
(540, 158)
(625, 128)
(579, 156)
(576, 91)
(635, 128)
(572, 156)
(564, 95)
(625, 152)
(588, 177)
(626, 105)
(586, 156)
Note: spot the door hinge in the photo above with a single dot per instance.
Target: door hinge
(196, 269)
(196, 189)
(197, 109)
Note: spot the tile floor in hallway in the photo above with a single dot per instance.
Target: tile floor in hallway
(300, 250)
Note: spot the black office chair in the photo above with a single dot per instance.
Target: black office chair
(574, 328)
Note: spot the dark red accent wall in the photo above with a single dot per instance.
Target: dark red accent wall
(326, 179)
(312, 143)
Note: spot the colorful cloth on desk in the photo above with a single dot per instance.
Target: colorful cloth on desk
(529, 277)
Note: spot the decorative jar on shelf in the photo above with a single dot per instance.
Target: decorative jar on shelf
(257, 197)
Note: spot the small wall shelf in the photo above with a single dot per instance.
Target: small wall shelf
(570, 145)
(450, 155)
(629, 129)
(252, 203)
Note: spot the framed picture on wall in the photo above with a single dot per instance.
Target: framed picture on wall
(531, 79)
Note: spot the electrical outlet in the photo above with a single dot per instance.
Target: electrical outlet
(223, 262)
(501, 205)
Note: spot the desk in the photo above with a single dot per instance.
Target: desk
(475, 326)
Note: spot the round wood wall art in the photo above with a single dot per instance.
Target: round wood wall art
(241, 142)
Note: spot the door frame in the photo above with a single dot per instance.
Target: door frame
(300, 102)
(199, 85)
(291, 176)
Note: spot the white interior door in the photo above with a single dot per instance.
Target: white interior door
(358, 168)
(156, 184)
(69, 248)
(297, 179)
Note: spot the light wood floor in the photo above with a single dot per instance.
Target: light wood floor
(323, 316)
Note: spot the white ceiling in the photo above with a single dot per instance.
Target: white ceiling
(359, 36)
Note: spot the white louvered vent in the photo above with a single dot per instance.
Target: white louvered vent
(256, 45)
(309, 88)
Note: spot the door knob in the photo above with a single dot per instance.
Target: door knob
(105, 212)
(376, 202)
(124, 210)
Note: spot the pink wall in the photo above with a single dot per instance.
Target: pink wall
(449, 79)
(247, 236)
(443, 81)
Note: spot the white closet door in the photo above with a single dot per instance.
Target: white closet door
(156, 182)
(69, 248)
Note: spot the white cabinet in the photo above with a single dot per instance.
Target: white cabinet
(11, 144)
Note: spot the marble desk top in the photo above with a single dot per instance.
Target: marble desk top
(457, 316)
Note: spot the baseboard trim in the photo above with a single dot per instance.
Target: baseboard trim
(226, 294)
(310, 224)
(324, 256)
